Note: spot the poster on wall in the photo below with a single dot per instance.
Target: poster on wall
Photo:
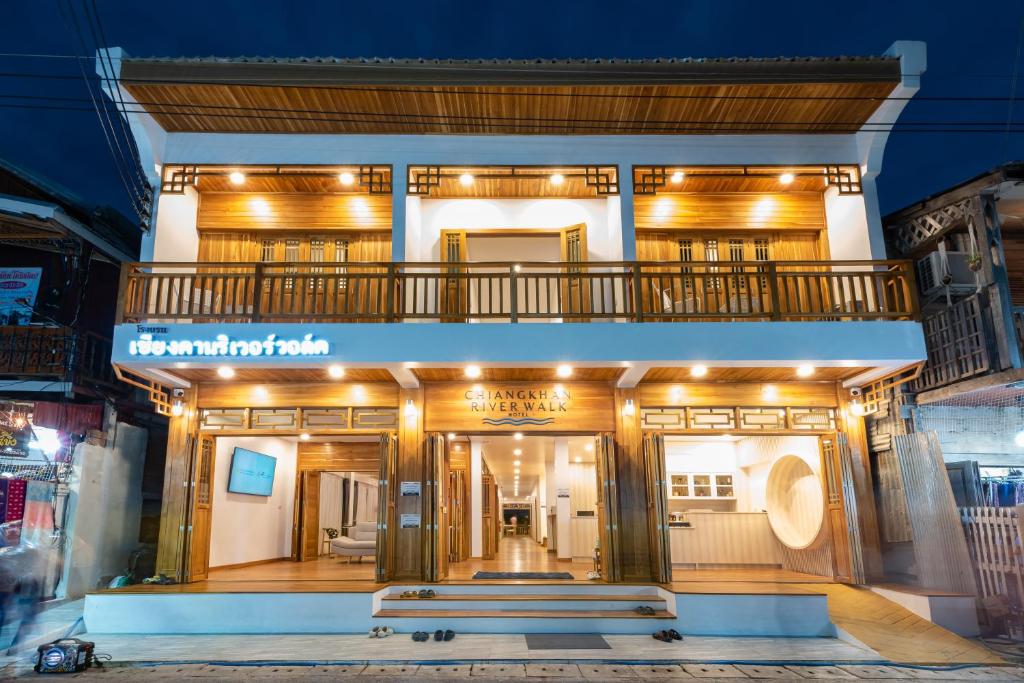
(18, 289)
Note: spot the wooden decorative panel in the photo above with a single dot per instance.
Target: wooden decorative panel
(339, 456)
(767, 211)
(285, 211)
(736, 393)
(712, 418)
(663, 418)
(513, 181)
(223, 418)
(762, 419)
(273, 419)
(813, 418)
(374, 418)
(325, 418)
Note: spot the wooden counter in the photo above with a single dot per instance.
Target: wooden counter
(725, 538)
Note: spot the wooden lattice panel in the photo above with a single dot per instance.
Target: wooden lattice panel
(957, 345)
(929, 226)
(374, 418)
(663, 418)
(214, 419)
(325, 418)
(274, 419)
(712, 418)
(762, 419)
(813, 419)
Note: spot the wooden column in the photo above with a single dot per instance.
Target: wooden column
(408, 546)
(181, 434)
(855, 429)
(634, 544)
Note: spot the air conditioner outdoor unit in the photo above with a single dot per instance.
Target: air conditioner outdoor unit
(930, 273)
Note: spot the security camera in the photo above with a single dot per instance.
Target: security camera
(855, 391)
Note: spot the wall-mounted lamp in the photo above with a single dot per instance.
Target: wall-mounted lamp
(410, 408)
(629, 409)
(176, 408)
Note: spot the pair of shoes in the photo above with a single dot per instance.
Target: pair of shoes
(426, 593)
(439, 635)
(408, 594)
(667, 636)
(645, 610)
(381, 632)
(592, 575)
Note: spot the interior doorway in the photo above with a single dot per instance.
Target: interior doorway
(523, 503)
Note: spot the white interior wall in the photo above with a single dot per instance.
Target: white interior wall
(330, 500)
(472, 214)
(757, 454)
(711, 456)
(176, 237)
(252, 528)
(415, 249)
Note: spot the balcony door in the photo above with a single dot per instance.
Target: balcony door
(575, 286)
(453, 286)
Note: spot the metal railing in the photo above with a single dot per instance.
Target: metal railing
(55, 353)
(512, 292)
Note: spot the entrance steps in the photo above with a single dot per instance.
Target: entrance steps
(561, 601)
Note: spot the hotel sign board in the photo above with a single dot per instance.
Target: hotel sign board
(519, 406)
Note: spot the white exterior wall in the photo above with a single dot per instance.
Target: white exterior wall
(175, 237)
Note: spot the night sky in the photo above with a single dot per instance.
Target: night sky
(972, 48)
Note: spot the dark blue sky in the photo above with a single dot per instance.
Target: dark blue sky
(972, 49)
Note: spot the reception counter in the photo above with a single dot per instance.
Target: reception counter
(725, 538)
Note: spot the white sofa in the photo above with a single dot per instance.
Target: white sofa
(362, 540)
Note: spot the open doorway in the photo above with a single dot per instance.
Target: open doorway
(284, 508)
(533, 506)
(750, 508)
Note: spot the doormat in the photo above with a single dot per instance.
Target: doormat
(522, 575)
(566, 641)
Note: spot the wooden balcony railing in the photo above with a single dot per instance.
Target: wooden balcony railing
(513, 292)
(55, 353)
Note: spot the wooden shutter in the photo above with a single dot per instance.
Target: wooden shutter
(386, 507)
(201, 509)
(309, 516)
(435, 510)
(608, 507)
(657, 507)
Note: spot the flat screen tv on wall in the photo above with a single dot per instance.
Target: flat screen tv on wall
(251, 473)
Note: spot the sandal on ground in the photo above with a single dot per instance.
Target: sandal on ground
(425, 593)
(645, 610)
(420, 636)
(408, 594)
(674, 634)
(374, 632)
(385, 631)
(662, 636)
(449, 634)
(438, 635)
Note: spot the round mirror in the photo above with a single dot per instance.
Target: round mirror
(796, 506)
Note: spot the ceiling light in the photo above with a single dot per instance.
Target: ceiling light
(336, 371)
(451, 436)
(589, 447)
(237, 178)
(516, 463)
(578, 459)
(557, 179)
(805, 370)
(518, 451)
(564, 371)
(260, 392)
(677, 177)
(346, 178)
(473, 371)
(518, 436)
(225, 372)
(304, 436)
(786, 178)
(769, 392)
(698, 370)
(466, 179)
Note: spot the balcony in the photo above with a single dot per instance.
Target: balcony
(55, 354)
(517, 292)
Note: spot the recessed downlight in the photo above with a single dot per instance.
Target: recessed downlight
(557, 179)
(466, 179)
(473, 371)
(336, 371)
(564, 371)
(237, 178)
(518, 436)
(698, 371)
(346, 178)
(225, 372)
(805, 370)
(786, 178)
(677, 177)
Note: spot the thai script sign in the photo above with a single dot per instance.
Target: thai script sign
(146, 345)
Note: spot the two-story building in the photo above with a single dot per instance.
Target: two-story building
(469, 319)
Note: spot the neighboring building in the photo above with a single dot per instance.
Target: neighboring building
(967, 244)
(489, 315)
(63, 414)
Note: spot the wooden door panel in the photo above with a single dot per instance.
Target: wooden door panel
(386, 507)
(657, 507)
(454, 295)
(607, 506)
(201, 512)
(309, 516)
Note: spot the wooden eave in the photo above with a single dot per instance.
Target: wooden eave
(512, 98)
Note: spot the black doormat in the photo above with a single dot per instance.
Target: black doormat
(522, 575)
(566, 641)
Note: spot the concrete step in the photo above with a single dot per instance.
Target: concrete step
(435, 614)
(523, 603)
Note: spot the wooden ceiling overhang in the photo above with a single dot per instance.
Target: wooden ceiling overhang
(535, 97)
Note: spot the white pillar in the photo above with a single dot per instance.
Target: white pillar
(399, 174)
(476, 499)
(542, 503)
(562, 498)
(627, 223)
